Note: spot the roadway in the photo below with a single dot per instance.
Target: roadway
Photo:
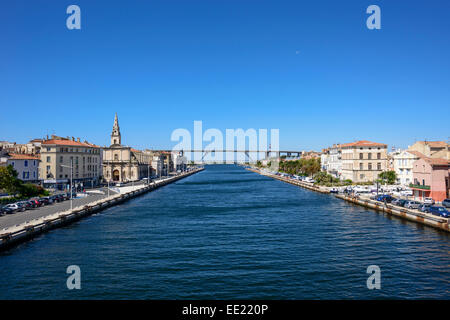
(10, 220)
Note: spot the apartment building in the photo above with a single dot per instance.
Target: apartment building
(363, 160)
(59, 154)
(403, 163)
(431, 178)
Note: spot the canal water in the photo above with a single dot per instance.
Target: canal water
(229, 233)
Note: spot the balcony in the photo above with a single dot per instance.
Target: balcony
(418, 186)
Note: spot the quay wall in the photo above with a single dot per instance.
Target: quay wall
(15, 235)
(403, 213)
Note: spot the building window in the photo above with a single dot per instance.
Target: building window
(360, 166)
(61, 159)
(361, 156)
(369, 156)
(25, 163)
(379, 166)
(378, 155)
(48, 159)
(370, 166)
(116, 157)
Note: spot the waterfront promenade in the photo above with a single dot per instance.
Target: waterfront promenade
(414, 215)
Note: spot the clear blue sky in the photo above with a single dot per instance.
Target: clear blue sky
(309, 68)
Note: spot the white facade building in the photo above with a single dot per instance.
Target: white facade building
(335, 161)
(403, 165)
(27, 166)
(179, 162)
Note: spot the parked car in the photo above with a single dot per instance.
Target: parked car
(399, 202)
(15, 207)
(425, 207)
(36, 202)
(6, 210)
(411, 204)
(385, 198)
(56, 198)
(446, 203)
(45, 201)
(439, 211)
(27, 205)
(428, 201)
(406, 193)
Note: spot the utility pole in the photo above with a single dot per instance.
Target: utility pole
(71, 182)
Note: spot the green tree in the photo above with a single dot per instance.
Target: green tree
(388, 176)
(8, 180)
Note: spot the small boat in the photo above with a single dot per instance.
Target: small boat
(334, 190)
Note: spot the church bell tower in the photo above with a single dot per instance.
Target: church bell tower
(115, 135)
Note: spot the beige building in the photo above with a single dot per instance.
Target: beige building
(59, 154)
(432, 149)
(363, 161)
(123, 163)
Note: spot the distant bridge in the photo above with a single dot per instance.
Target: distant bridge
(248, 155)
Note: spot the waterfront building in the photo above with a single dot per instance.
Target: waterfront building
(363, 161)
(179, 161)
(431, 178)
(432, 149)
(58, 154)
(335, 161)
(403, 161)
(123, 163)
(324, 159)
(26, 165)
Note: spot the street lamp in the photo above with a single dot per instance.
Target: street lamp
(71, 179)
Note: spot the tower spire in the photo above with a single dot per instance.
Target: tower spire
(115, 135)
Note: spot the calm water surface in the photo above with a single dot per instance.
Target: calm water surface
(228, 233)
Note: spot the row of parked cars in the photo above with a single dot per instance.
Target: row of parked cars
(32, 203)
(427, 206)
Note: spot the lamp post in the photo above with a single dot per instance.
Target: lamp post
(71, 181)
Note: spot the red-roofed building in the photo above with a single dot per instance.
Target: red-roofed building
(59, 154)
(431, 178)
(363, 160)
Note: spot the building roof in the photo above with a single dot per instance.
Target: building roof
(64, 142)
(416, 153)
(434, 144)
(363, 143)
(437, 161)
(18, 156)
